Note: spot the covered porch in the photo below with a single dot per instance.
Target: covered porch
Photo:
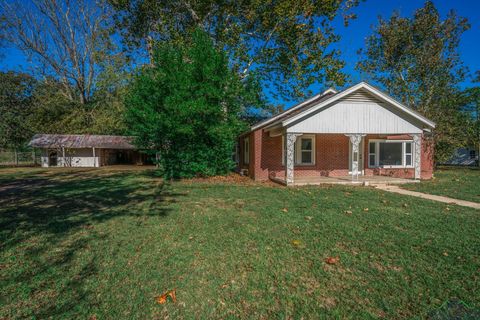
(344, 180)
(359, 159)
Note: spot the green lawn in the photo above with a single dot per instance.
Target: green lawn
(459, 183)
(80, 244)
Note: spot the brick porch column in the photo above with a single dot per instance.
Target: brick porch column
(417, 145)
(290, 156)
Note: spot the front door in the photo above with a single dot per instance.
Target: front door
(360, 157)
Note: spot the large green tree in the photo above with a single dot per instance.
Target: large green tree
(186, 107)
(287, 44)
(472, 109)
(417, 60)
(15, 108)
(74, 53)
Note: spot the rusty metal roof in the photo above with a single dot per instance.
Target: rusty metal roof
(81, 141)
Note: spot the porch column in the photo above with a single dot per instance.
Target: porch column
(63, 157)
(94, 159)
(290, 156)
(355, 139)
(417, 145)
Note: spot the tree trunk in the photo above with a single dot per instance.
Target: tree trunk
(16, 156)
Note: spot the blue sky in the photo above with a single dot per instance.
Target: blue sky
(353, 36)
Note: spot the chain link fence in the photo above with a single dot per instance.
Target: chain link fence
(24, 158)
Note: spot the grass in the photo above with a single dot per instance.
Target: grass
(104, 243)
(459, 183)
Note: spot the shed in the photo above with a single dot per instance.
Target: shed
(73, 150)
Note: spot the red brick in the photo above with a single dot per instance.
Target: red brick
(331, 158)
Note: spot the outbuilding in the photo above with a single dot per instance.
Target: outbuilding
(72, 150)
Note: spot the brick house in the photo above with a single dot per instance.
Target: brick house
(358, 132)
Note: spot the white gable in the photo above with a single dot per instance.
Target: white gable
(358, 112)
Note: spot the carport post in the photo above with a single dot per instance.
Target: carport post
(63, 156)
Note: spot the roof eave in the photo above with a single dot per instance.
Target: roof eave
(354, 88)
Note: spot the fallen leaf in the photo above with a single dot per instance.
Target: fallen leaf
(163, 298)
(405, 205)
(332, 260)
(445, 254)
(348, 212)
(308, 218)
(285, 210)
(296, 242)
(365, 209)
(173, 295)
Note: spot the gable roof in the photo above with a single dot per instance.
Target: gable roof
(296, 109)
(321, 101)
(81, 141)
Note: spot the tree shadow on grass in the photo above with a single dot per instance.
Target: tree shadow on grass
(46, 220)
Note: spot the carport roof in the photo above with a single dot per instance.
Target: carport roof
(81, 141)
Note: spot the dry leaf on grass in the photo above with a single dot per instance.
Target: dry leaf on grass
(348, 212)
(163, 298)
(296, 242)
(332, 260)
(365, 209)
(285, 210)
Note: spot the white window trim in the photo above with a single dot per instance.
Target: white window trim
(298, 151)
(377, 154)
(246, 150)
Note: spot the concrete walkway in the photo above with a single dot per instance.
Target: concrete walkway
(397, 189)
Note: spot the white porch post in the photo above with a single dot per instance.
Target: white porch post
(94, 158)
(290, 156)
(355, 139)
(417, 145)
(63, 156)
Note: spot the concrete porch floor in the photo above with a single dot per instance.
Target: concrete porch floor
(346, 180)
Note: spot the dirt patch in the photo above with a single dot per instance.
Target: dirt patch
(232, 178)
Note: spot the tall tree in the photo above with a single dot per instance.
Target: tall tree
(417, 60)
(68, 40)
(287, 44)
(15, 107)
(186, 107)
(472, 108)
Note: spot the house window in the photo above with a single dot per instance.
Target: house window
(246, 151)
(408, 154)
(390, 154)
(236, 153)
(305, 150)
(371, 154)
(472, 154)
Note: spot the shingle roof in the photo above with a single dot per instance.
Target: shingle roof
(81, 141)
(290, 112)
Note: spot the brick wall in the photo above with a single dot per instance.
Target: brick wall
(331, 158)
